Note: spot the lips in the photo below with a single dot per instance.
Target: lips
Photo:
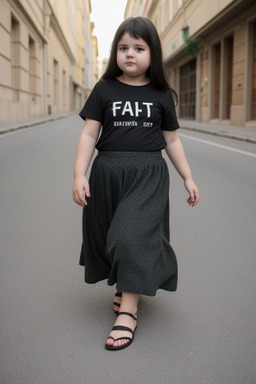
(129, 63)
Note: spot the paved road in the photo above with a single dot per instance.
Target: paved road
(53, 326)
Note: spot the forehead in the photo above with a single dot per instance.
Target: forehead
(127, 38)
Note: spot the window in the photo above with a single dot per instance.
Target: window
(253, 94)
(188, 90)
(217, 65)
(83, 76)
(229, 42)
(64, 88)
(32, 65)
(15, 57)
(55, 82)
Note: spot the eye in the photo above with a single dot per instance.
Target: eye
(139, 49)
(122, 49)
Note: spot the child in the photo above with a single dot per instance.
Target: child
(126, 206)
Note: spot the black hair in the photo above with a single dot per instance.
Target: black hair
(140, 27)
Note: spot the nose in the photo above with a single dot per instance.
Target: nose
(129, 52)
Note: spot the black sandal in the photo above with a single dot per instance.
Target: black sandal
(122, 328)
(118, 294)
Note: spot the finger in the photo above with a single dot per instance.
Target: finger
(78, 202)
(79, 199)
(196, 198)
(191, 196)
(193, 199)
(189, 201)
(82, 200)
(87, 191)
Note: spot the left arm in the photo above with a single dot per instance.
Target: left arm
(176, 154)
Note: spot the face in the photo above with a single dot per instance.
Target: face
(133, 56)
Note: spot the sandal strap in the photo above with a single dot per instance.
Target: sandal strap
(122, 328)
(128, 314)
(117, 304)
(124, 338)
(118, 294)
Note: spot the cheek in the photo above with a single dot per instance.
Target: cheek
(147, 61)
(118, 59)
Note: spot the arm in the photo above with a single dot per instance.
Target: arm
(176, 154)
(84, 153)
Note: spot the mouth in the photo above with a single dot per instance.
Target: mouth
(129, 63)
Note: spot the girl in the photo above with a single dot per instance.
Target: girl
(126, 206)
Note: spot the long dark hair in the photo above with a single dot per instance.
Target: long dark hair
(140, 27)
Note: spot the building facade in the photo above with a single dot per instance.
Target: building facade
(46, 57)
(209, 51)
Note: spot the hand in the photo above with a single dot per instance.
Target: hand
(81, 189)
(193, 192)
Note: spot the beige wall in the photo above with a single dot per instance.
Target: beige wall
(209, 23)
(20, 77)
(95, 69)
(66, 13)
(56, 99)
(34, 35)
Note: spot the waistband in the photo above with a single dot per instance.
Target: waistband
(130, 155)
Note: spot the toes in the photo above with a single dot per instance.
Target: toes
(110, 341)
(120, 343)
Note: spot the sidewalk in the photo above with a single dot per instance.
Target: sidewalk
(230, 131)
(9, 126)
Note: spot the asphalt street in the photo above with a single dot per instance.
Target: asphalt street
(54, 326)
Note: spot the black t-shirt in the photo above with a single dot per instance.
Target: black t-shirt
(132, 117)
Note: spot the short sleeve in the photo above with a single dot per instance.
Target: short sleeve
(169, 117)
(92, 108)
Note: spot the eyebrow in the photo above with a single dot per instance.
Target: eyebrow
(135, 45)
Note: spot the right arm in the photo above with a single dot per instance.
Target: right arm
(84, 153)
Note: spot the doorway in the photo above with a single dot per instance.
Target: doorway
(188, 90)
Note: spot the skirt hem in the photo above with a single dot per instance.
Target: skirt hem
(119, 287)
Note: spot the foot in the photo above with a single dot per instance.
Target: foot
(123, 320)
(117, 301)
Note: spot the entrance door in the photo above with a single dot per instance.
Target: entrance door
(253, 105)
(217, 83)
(188, 90)
(229, 46)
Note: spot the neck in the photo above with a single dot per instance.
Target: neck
(134, 80)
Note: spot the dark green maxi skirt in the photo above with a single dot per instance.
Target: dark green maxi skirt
(126, 223)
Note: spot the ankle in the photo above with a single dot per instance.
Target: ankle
(128, 311)
(129, 302)
(133, 309)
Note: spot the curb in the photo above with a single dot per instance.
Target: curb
(220, 134)
(30, 124)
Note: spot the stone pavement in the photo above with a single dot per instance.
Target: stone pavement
(241, 133)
